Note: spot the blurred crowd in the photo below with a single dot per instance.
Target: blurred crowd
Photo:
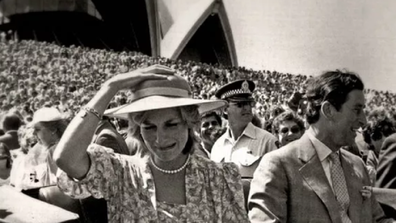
(34, 75)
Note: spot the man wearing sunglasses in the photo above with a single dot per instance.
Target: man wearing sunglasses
(243, 143)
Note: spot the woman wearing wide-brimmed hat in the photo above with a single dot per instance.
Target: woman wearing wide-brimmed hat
(37, 169)
(170, 184)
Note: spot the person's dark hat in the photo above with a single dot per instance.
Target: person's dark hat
(240, 90)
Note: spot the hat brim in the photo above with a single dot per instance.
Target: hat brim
(162, 102)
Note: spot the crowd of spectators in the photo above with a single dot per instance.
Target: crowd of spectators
(36, 74)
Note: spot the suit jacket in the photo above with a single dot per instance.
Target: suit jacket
(290, 185)
(386, 171)
(10, 139)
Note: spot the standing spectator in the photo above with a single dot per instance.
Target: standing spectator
(312, 179)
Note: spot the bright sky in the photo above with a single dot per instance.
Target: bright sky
(310, 36)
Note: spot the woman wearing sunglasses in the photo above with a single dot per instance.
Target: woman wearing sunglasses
(288, 126)
(171, 183)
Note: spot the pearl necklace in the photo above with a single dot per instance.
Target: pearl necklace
(171, 171)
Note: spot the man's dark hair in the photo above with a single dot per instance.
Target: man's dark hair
(378, 128)
(11, 122)
(331, 86)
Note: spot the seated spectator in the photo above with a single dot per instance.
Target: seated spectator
(11, 123)
(288, 126)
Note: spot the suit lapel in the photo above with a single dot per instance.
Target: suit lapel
(354, 186)
(313, 173)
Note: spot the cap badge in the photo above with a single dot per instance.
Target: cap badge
(245, 87)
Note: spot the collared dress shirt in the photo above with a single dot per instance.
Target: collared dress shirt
(324, 156)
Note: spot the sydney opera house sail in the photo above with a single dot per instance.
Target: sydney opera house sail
(200, 32)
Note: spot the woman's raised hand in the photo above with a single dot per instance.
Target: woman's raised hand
(131, 79)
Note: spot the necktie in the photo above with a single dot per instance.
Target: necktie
(339, 187)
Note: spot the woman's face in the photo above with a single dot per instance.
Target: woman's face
(288, 132)
(44, 135)
(165, 133)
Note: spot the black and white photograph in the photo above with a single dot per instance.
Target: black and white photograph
(197, 111)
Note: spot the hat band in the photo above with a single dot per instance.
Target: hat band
(162, 91)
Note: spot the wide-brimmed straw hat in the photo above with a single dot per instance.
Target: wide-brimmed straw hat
(160, 94)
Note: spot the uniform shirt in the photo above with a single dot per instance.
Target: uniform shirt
(246, 150)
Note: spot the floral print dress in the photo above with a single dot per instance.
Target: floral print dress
(213, 191)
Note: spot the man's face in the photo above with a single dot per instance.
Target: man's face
(240, 112)
(288, 132)
(211, 129)
(349, 119)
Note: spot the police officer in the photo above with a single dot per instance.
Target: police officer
(242, 143)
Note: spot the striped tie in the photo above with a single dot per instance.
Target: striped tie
(339, 187)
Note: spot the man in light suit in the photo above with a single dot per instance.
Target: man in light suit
(312, 179)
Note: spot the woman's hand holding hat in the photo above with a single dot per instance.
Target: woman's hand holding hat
(131, 79)
(70, 154)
